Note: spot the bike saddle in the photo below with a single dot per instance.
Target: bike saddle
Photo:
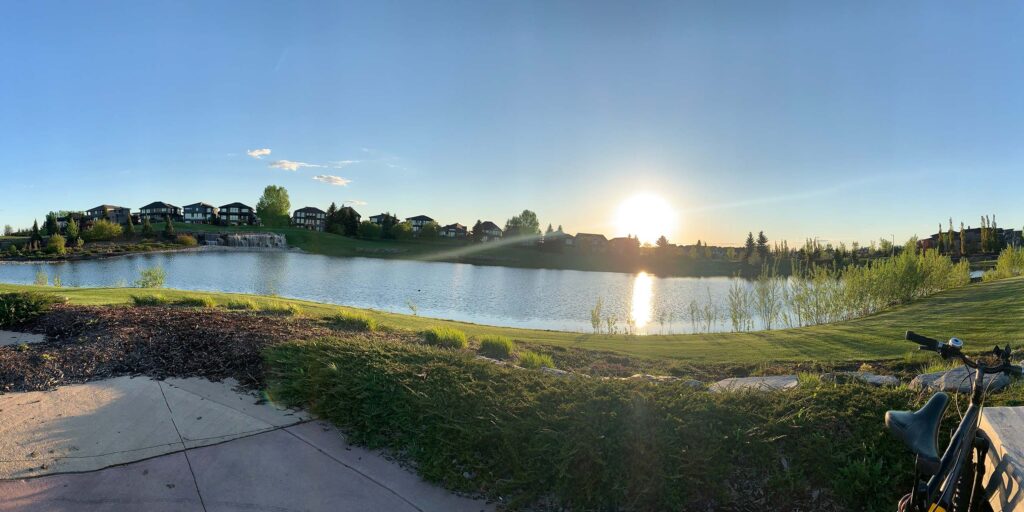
(919, 430)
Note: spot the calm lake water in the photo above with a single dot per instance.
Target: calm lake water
(530, 298)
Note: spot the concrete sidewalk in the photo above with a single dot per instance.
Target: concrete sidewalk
(190, 445)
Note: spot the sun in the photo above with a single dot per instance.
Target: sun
(646, 216)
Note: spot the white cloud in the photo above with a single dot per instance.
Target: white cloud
(258, 153)
(355, 202)
(289, 165)
(332, 180)
(340, 164)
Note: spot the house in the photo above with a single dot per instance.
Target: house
(311, 218)
(418, 222)
(62, 221)
(624, 245)
(591, 242)
(454, 231)
(237, 214)
(200, 213)
(159, 210)
(118, 214)
(380, 218)
(351, 212)
(559, 238)
(490, 231)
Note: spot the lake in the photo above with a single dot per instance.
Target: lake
(512, 297)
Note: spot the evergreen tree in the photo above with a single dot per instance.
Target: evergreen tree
(387, 225)
(331, 222)
(72, 230)
(549, 231)
(560, 229)
(963, 241)
(147, 228)
(477, 234)
(129, 228)
(168, 227)
(762, 245)
(748, 246)
(349, 221)
(51, 224)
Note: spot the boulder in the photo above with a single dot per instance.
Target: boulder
(957, 380)
(658, 379)
(555, 371)
(869, 378)
(771, 383)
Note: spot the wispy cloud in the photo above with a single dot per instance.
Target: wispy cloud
(341, 164)
(355, 202)
(258, 153)
(289, 165)
(332, 180)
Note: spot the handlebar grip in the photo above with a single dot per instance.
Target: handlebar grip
(922, 340)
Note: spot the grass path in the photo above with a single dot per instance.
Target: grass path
(981, 314)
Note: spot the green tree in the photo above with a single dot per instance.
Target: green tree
(147, 228)
(350, 221)
(56, 245)
(749, 246)
(429, 231)
(762, 245)
(102, 229)
(332, 222)
(72, 230)
(129, 228)
(963, 241)
(401, 231)
(8, 230)
(662, 242)
(369, 230)
(274, 206)
(524, 224)
(35, 239)
(51, 224)
(168, 228)
(387, 225)
(477, 233)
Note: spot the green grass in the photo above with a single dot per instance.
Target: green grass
(496, 347)
(981, 314)
(196, 301)
(534, 360)
(151, 300)
(354, 322)
(445, 337)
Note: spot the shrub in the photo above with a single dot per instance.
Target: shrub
(20, 307)
(496, 347)
(100, 230)
(597, 444)
(369, 230)
(445, 337)
(1010, 263)
(196, 301)
(281, 308)
(354, 322)
(150, 300)
(41, 279)
(535, 361)
(186, 240)
(56, 245)
(247, 304)
(151, 278)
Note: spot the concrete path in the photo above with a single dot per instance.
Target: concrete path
(17, 338)
(190, 445)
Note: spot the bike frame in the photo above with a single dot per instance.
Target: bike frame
(937, 494)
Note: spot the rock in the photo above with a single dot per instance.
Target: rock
(657, 379)
(490, 360)
(956, 380)
(247, 240)
(555, 371)
(772, 383)
(17, 338)
(869, 378)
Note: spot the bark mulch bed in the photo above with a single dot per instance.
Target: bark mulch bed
(87, 343)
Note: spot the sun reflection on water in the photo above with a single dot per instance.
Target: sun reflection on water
(643, 292)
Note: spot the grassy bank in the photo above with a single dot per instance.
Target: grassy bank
(980, 313)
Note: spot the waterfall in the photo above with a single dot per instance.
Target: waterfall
(246, 240)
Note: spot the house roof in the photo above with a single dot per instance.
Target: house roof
(379, 215)
(420, 217)
(158, 204)
(489, 226)
(455, 226)
(200, 204)
(236, 205)
(591, 236)
(310, 209)
(107, 207)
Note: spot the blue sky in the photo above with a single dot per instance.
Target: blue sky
(843, 121)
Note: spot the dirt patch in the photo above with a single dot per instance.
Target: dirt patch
(90, 343)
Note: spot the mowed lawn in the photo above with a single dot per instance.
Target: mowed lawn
(982, 314)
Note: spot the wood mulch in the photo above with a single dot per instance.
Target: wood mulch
(87, 343)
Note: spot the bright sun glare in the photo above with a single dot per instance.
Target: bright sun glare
(646, 216)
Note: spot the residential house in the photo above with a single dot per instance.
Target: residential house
(237, 214)
(418, 222)
(591, 242)
(489, 231)
(311, 218)
(62, 221)
(118, 214)
(200, 213)
(159, 210)
(454, 231)
(380, 218)
(625, 245)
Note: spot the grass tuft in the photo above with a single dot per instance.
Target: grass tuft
(242, 304)
(353, 322)
(196, 301)
(150, 300)
(281, 308)
(446, 337)
(535, 361)
(497, 347)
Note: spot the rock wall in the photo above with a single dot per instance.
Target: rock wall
(245, 240)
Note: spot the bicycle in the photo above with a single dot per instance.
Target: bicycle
(952, 482)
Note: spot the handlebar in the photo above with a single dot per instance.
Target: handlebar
(948, 350)
(924, 341)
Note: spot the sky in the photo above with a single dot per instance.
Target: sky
(836, 120)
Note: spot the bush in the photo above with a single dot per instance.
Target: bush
(1010, 263)
(597, 444)
(20, 307)
(496, 347)
(242, 304)
(354, 322)
(100, 230)
(281, 308)
(151, 278)
(56, 245)
(196, 301)
(445, 337)
(186, 240)
(535, 361)
(150, 300)
(369, 230)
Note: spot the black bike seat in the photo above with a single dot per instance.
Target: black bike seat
(919, 430)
